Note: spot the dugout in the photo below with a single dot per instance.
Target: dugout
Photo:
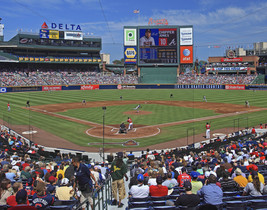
(157, 75)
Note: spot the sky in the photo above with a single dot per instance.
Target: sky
(218, 24)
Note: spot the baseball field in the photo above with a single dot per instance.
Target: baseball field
(61, 120)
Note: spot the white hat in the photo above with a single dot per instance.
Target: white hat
(64, 181)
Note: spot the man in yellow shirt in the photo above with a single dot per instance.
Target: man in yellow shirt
(239, 179)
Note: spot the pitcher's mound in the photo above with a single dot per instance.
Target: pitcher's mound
(137, 113)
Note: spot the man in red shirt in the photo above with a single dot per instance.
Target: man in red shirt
(130, 123)
(253, 131)
(183, 177)
(158, 190)
(207, 131)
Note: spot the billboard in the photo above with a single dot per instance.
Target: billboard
(51, 88)
(130, 55)
(71, 35)
(186, 54)
(49, 34)
(158, 45)
(89, 87)
(234, 87)
(130, 37)
(186, 36)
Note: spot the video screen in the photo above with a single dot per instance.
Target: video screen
(158, 45)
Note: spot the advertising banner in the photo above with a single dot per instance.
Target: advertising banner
(186, 54)
(126, 87)
(130, 37)
(44, 33)
(234, 87)
(227, 68)
(130, 55)
(89, 87)
(71, 35)
(186, 36)
(199, 86)
(231, 59)
(53, 34)
(51, 88)
(2, 90)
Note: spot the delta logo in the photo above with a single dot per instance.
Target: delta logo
(44, 26)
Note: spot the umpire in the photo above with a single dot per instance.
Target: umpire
(83, 179)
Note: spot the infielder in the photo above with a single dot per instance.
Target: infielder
(84, 102)
(247, 104)
(207, 131)
(130, 123)
(204, 98)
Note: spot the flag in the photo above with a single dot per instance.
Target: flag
(136, 11)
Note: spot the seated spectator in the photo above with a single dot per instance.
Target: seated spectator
(227, 184)
(152, 178)
(254, 188)
(22, 201)
(61, 171)
(196, 185)
(25, 174)
(40, 199)
(252, 169)
(140, 190)
(170, 182)
(188, 199)
(158, 190)
(240, 179)
(65, 192)
(4, 191)
(211, 193)
(11, 200)
(183, 177)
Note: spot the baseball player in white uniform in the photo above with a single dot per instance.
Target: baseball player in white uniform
(147, 40)
(207, 131)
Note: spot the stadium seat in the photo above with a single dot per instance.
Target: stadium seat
(227, 194)
(164, 207)
(65, 207)
(159, 203)
(4, 207)
(140, 204)
(163, 198)
(131, 199)
(238, 205)
(258, 204)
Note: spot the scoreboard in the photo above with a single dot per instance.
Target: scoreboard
(162, 47)
(151, 45)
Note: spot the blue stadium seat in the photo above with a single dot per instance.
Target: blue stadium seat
(159, 203)
(258, 204)
(163, 198)
(140, 204)
(164, 207)
(131, 199)
(65, 207)
(238, 205)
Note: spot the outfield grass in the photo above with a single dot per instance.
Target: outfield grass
(74, 132)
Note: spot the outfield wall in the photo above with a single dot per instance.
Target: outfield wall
(131, 86)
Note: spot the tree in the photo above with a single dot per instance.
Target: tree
(121, 61)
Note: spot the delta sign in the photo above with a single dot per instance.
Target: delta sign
(61, 26)
(130, 55)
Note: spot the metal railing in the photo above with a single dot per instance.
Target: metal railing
(101, 197)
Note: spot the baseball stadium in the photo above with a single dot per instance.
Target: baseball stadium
(59, 95)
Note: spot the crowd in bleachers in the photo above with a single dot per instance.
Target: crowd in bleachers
(216, 79)
(223, 172)
(62, 77)
(226, 172)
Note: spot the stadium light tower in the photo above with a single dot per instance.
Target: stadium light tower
(103, 150)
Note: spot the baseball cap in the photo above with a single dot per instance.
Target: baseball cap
(51, 188)
(52, 179)
(238, 171)
(21, 195)
(194, 174)
(140, 178)
(159, 179)
(187, 185)
(148, 30)
(64, 181)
